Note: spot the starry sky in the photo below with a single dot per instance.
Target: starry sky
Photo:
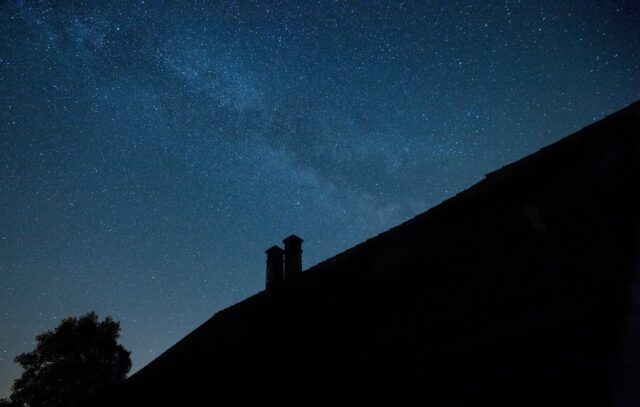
(150, 152)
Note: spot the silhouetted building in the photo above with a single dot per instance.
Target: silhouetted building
(521, 291)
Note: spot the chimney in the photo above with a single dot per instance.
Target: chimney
(292, 257)
(275, 274)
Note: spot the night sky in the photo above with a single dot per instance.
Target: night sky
(150, 153)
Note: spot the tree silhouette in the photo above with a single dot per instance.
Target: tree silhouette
(68, 364)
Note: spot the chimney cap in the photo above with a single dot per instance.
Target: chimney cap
(274, 249)
(292, 239)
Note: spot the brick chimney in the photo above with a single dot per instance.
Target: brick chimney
(275, 273)
(292, 257)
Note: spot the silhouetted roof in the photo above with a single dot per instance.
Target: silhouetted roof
(483, 221)
(549, 158)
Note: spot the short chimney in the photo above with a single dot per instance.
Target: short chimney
(292, 257)
(275, 274)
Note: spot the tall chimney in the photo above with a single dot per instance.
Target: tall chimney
(275, 274)
(292, 257)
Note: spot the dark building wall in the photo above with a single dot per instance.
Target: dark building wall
(515, 292)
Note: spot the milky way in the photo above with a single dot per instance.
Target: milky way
(150, 153)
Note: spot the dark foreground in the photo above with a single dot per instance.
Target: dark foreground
(520, 291)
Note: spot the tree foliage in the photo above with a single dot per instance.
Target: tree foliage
(80, 356)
